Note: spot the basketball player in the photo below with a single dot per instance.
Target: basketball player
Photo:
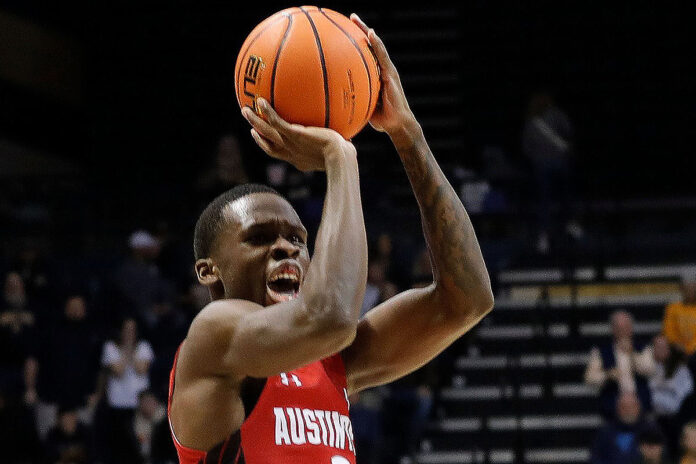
(266, 369)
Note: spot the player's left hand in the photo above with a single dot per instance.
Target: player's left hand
(392, 113)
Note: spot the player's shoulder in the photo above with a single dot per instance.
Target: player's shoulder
(216, 321)
(220, 314)
(210, 333)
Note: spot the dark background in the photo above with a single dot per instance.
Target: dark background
(158, 87)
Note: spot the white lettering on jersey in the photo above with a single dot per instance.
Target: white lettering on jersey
(305, 424)
(348, 427)
(312, 427)
(329, 425)
(340, 431)
(281, 427)
(322, 424)
(297, 431)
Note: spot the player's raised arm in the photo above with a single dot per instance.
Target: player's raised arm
(243, 338)
(408, 330)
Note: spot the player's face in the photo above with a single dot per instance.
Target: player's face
(262, 250)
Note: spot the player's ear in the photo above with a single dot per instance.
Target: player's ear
(207, 272)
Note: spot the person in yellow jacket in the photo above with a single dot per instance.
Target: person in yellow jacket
(679, 325)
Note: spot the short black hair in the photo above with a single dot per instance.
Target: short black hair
(209, 222)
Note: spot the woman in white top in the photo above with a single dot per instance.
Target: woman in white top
(127, 361)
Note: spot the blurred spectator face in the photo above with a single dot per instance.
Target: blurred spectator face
(148, 405)
(68, 422)
(689, 438)
(622, 325)
(384, 245)
(689, 292)
(129, 332)
(661, 349)
(14, 290)
(628, 408)
(75, 308)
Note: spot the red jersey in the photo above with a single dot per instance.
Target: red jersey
(300, 417)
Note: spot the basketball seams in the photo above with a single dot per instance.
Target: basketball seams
(362, 57)
(327, 107)
(275, 62)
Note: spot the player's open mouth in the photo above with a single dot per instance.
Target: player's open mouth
(284, 283)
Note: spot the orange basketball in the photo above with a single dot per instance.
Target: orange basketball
(314, 66)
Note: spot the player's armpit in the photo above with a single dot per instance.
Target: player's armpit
(402, 334)
(240, 338)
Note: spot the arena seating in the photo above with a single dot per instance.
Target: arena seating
(517, 392)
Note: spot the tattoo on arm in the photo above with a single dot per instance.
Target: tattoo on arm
(450, 236)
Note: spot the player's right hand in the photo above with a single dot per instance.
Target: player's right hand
(304, 147)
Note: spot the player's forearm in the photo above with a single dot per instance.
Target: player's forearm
(336, 278)
(458, 268)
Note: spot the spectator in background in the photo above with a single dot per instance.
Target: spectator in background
(679, 324)
(620, 367)
(127, 361)
(546, 141)
(68, 365)
(68, 442)
(688, 439)
(18, 365)
(670, 385)
(651, 444)
(378, 288)
(617, 441)
(138, 280)
(150, 413)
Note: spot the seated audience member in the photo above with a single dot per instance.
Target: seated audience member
(17, 335)
(620, 367)
(69, 363)
(617, 441)
(688, 441)
(128, 363)
(138, 279)
(68, 441)
(679, 325)
(651, 444)
(149, 413)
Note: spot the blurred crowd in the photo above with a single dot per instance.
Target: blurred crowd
(85, 360)
(647, 393)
